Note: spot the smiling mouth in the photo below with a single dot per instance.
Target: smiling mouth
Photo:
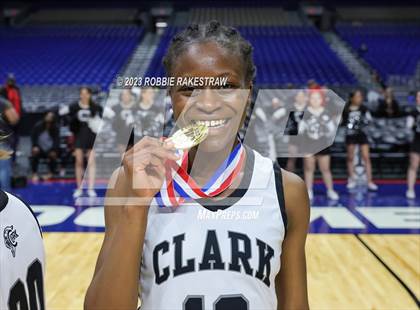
(217, 123)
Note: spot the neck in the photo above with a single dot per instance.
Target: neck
(203, 167)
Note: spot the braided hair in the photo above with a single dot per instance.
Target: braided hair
(226, 37)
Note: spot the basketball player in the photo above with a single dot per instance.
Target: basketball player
(317, 127)
(185, 262)
(356, 117)
(83, 114)
(414, 123)
(21, 254)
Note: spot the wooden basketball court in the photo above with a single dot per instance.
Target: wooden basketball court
(342, 272)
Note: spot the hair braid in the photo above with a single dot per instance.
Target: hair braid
(213, 31)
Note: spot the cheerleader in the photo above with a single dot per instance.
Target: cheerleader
(149, 116)
(84, 117)
(292, 127)
(356, 117)
(414, 123)
(278, 113)
(318, 129)
(123, 121)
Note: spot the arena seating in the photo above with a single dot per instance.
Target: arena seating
(245, 16)
(392, 49)
(66, 55)
(283, 55)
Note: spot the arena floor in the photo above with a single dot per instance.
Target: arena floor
(363, 252)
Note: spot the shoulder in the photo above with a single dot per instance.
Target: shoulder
(364, 109)
(98, 107)
(294, 186)
(13, 202)
(116, 108)
(74, 106)
(295, 197)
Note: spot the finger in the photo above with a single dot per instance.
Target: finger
(145, 141)
(169, 145)
(150, 161)
(161, 153)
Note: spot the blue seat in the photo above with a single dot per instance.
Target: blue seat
(64, 55)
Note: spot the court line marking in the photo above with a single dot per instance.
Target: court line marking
(404, 285)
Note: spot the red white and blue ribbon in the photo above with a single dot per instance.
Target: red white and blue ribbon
(179, 186)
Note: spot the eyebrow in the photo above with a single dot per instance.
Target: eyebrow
(227, 74)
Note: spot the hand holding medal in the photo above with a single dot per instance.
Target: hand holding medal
(189, 136)
(178, 184)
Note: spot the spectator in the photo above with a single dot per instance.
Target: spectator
(84, 117)
(377, 78)
(312, 84)
(356, 118)
(388, 107)
(414, 123)
(45, 144)
(13, 95)
(8, 118)
(123, 120)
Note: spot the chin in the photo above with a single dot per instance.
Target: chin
(215, 144)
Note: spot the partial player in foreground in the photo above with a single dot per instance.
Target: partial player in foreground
(184, 257)
(21, 254)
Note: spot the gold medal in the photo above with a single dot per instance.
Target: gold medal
(189, 136)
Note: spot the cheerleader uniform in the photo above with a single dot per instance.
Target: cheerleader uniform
(292, 125)
(148, 122)
(415, 144)
(356, 121)
(123, 124)
(80, 117)
(317, 129)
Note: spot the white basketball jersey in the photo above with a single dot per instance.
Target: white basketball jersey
(218, 255)
(21, 256)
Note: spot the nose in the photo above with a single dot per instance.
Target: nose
(208, 101)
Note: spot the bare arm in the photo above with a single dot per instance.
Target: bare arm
(291, 284)
(115, 281)
(11, 116)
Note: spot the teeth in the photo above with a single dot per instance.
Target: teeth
(213, 123)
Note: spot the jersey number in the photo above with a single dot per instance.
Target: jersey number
(224, 302)
(35, 285)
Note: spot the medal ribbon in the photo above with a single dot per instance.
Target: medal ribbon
(179, 186)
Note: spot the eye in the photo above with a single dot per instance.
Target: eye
(227, 89)
(186, 89)
(228, 86)
(189, 91)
